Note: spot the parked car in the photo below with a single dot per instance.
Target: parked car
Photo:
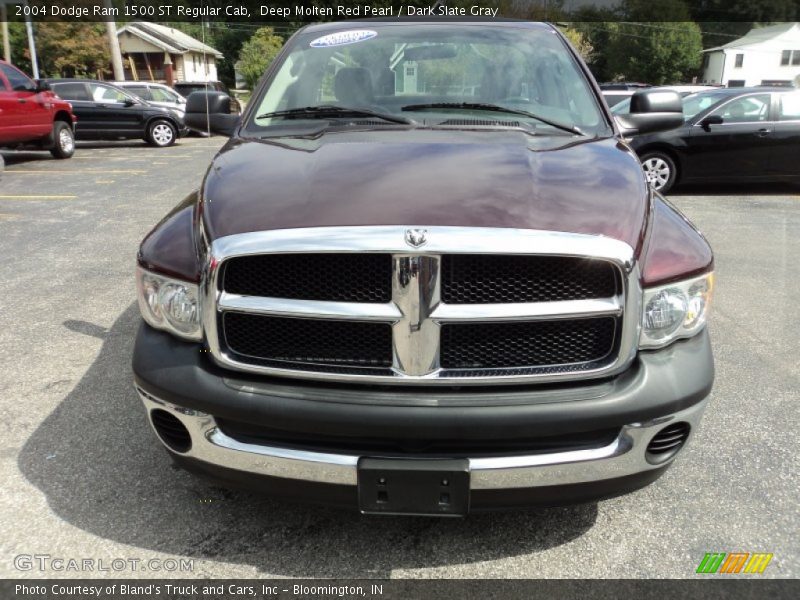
(417, 299)
(615, 93)
(156, 94)
(184, 88)
(729, 135)
(31, 115)
(107, 112)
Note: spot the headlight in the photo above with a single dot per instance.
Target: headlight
(674, 311)
(169, 304)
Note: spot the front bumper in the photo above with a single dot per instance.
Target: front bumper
(661, 388)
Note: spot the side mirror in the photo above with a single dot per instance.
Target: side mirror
(211, 111)
(41, 86)
(711, 120)
(652, 111)
(129, 102)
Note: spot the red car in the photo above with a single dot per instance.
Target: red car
(32, 115)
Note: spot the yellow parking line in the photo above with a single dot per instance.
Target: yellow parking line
(20, 197)
(79, 171)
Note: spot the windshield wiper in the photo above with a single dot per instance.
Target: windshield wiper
(493, 108)
(329, 110)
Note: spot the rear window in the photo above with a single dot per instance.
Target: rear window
(71, 91)
(19, 81)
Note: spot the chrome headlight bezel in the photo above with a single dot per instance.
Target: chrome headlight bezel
(690, 300)
(157, 293)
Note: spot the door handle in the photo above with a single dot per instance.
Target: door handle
(763, 132)
(22, 100)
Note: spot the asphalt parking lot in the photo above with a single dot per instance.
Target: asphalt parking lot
(85, 478)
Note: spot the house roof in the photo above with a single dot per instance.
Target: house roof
(758, 35)
(168, 39)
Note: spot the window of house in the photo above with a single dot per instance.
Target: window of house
(705, 61)
(736, 83)
(796, 58)
(786, 56)
(739, 60)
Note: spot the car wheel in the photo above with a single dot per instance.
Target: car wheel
(660, 170)
(63, 140)
(161, 134)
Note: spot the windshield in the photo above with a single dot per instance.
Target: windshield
(693, 104)
(402, 69)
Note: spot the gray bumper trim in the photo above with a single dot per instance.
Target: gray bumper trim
(624, 456)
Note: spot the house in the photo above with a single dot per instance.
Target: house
(154, 52)
(765, 56)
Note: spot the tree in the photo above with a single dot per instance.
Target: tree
(580, 42)
(69, 49)
(257, 53)
(654, 44)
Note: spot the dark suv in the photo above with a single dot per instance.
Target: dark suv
(107, 112)
(426, 275)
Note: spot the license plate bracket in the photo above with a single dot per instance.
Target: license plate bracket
(425, 487)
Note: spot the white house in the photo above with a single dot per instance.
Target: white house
(154, 52)
(765, 56)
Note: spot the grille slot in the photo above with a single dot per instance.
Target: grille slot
(478, 123)
(666, 443)
(308, 341)
(486, 279)
(331, 277)
(525, 344)
(171, 431)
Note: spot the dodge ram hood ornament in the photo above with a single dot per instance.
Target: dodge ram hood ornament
(416, 237)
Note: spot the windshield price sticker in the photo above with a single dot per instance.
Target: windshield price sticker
(342, 38)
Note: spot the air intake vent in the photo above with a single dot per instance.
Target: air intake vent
(478, 123)
(171, 431)
(667, 442)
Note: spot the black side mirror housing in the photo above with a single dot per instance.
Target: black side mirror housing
(129, 102)
(41, 86)
(711, 120)
(652, 111)
(211, 111)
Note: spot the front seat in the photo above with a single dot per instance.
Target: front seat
(353, 86)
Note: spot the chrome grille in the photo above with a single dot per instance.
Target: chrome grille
(527, 344)
(470, 306)
(486, 278)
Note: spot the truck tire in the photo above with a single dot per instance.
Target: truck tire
(63, 140)
(161, 133)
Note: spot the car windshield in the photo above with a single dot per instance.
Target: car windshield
(693, 104)
(431, 74)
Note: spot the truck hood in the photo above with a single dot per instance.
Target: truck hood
(427, 178)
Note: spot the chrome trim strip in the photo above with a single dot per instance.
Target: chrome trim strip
(441, 240)
(418, 310)
(624, 456)
(309, 309)
(527, 311)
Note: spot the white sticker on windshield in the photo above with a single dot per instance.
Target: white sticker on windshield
(342, 38)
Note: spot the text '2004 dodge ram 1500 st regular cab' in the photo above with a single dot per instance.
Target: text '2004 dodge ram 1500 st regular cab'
(426, 275)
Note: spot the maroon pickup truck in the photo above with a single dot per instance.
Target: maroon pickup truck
(426, 275)
(33, 116)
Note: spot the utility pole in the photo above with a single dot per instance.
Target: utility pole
(113, 43)
(31, 46)
(4, 31)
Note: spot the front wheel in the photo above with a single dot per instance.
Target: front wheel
(161, 134)
(660, 170)
(63, 140)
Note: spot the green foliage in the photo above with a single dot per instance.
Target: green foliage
(257, 53)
